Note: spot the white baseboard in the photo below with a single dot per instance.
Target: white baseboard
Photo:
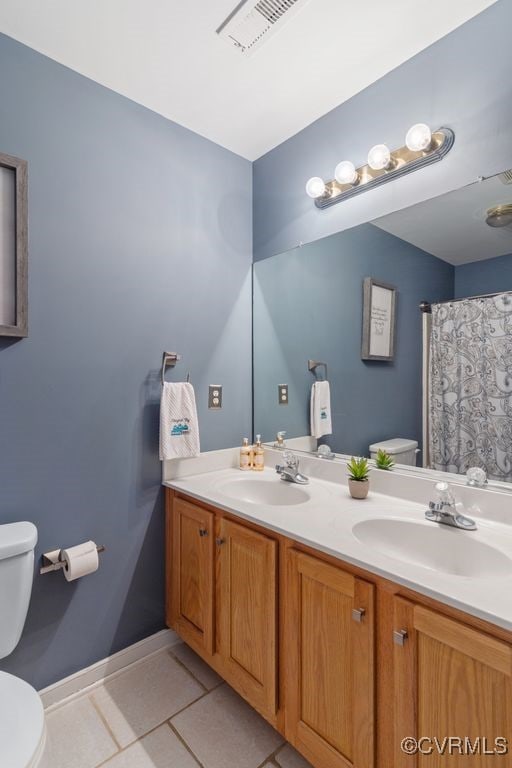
(74, 684)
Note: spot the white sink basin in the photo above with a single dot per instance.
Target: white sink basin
(432, 546)
(271, 492)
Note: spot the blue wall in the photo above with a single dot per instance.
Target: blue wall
(462, 81)
(140, 241)
(490, 276)
(308, 304)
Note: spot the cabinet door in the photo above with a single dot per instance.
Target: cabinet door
(450, 681)
(329, 657)
(192, 574)
(247, 612)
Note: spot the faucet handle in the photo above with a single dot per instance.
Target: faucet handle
(446, 497)
(477, 477)
(291, 460)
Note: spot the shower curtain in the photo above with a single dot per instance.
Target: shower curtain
(471, 386)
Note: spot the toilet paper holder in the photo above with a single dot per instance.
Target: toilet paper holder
(52, 561)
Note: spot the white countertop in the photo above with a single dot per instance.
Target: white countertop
(325, 520)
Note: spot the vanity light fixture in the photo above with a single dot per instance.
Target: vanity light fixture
(422, 147)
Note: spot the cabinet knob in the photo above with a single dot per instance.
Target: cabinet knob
(220, 541)
(358, 614)
(203, 532)
(400, 636)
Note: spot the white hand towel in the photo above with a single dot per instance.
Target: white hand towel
(321, 423)
(179, 428)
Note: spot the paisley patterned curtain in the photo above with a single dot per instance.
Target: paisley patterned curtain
(471, 386)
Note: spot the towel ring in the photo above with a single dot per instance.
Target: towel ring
(169, 360)
(313, 364)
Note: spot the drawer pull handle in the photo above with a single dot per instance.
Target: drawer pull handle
(220, 541)
(203, 532)
(400, 636)
(358, 614)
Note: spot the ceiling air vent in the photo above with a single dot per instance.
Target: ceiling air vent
(252, 23)
(506, 177)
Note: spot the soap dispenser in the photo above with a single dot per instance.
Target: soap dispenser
(258, 462)
(245, 455)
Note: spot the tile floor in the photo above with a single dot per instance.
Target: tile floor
(168, 711)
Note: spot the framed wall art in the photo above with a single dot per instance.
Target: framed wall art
(13, 247)
(379, 312)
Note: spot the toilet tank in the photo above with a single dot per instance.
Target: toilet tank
(17, 542)
(403, 450)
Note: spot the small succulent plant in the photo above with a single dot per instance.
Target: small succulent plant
(358, 469)
(383, 460)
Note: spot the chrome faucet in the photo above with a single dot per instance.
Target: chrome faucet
(444, 510)
(280, 443)
(290, 472)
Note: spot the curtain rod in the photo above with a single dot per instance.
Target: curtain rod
(426, 306)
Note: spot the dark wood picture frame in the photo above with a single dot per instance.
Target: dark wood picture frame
(20, 327)
(368, 328)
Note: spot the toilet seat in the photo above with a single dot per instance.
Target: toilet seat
(22, 727)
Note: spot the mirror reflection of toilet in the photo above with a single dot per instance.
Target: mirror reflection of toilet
(402, 450)
(22, 725)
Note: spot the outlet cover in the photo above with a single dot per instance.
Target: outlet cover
(282, 394)
(215, 396)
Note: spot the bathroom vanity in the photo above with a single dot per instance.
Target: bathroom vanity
(343, 648)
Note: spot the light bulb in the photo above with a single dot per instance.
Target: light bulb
(345, 173)
(418, 138)
(315, 187)
(379, 157)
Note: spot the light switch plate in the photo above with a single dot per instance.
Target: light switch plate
(215, 396)
(282, 394)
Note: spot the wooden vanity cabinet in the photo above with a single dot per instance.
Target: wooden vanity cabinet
(222, 597)
(343, 663)
(450, 680)
(329, 662)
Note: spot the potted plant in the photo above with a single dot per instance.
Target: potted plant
(358, 483)
(383, 460)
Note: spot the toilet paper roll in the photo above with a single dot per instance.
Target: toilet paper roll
(80, 560)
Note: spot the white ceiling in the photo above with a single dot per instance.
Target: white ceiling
(167, 56)
(452, 227)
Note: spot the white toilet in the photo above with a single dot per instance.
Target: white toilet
(22, 726)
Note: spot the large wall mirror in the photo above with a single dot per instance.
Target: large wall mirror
(445, 396)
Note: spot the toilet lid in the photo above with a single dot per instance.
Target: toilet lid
(22, 728)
